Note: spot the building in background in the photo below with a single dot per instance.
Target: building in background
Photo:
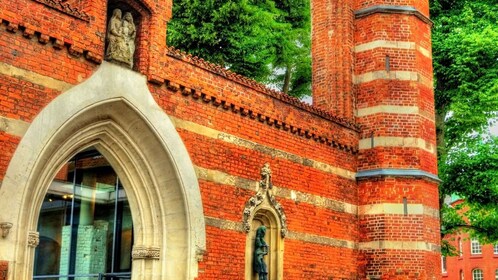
(474, 261)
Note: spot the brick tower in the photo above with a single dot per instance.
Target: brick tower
(332, 48)
(384, 71)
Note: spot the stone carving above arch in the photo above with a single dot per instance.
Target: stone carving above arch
(262, 196)
(121, 34)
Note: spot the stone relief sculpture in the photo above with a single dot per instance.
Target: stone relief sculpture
(121, 34)
(33, 239)
(260, 251)
(129, 33)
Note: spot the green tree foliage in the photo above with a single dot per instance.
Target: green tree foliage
(267, 40)
(465, 48)
(465, 51)
(471, 172)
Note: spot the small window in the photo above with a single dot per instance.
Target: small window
(443, 264)
(475, 247)
(461, 275)
(460, 247)
(495, 249)
(477, 274)
(496, 274)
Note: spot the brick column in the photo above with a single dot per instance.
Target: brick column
(397, 173)
(332, 56)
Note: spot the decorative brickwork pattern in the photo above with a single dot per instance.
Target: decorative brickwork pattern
(217, 69)
(65, 8)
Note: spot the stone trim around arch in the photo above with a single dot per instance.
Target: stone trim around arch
(114, 112)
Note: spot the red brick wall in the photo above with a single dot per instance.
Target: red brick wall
(4, 269)
(332, 59)
(67, 47)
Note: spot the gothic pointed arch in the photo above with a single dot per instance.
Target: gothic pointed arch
(114, 112)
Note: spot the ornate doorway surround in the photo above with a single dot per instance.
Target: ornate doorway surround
(114, 112)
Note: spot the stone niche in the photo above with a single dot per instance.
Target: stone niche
(263, 210)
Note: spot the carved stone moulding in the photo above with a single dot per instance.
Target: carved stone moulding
(264, 193)
(33, 239)
(144, 252)
(5, 228)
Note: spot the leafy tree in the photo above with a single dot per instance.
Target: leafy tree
(471, 172)
(267, 40)
(465, 37)
(465, 65)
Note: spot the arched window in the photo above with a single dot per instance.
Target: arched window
(443, 264)
(85, 223)
(477, 274)
(496, 274)
(461, 275)
(460, 247)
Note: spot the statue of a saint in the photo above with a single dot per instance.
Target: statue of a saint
(260, 250)
(129, 33)
(121, 33)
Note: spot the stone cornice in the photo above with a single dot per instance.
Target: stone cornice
(229, 75)
(397, 173)
(388, 9)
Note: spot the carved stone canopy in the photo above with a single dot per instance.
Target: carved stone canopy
(264, 194)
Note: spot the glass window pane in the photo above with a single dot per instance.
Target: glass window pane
(477, 274)
(85, 222)
(475, 246)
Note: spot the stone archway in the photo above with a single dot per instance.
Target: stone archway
(114, 112)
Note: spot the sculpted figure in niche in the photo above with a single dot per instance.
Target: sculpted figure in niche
(121, 33)
(129, 33)
(260, 250)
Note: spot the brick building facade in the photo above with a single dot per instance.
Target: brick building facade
(474, 260)
(347, 188)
